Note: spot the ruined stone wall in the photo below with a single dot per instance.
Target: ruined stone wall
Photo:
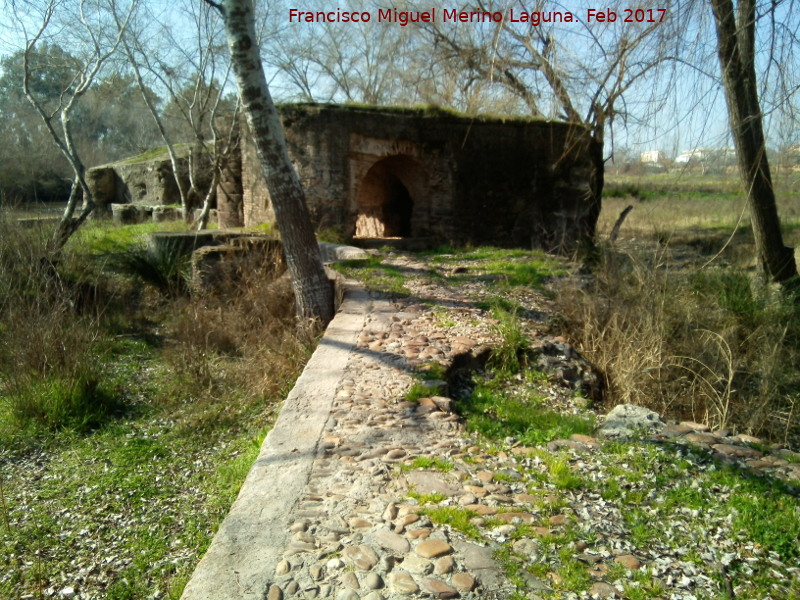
(406, 173)
(144, 182)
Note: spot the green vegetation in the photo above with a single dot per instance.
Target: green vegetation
(429, 462)
(503, 267)
(419, 110)
(712, 342)
(754, 523)
(375, 275)
(505, 400)
(129, 413)
(423, 499)
(458, 518)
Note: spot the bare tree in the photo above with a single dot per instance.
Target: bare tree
(85, 21)
(194, 74)
(736, 34)
(313, 291)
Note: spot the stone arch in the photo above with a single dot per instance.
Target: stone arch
(389, 198)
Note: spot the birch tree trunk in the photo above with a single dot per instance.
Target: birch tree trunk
(313, 290)
(736, 50)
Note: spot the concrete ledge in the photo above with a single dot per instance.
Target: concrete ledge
(241, 561)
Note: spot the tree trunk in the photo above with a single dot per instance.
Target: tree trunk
(736, 50)
(313, 290)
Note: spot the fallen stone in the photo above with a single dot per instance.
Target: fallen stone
(350, 580)
(524, 499)
(463, 582)
(739, 451)
(511, 516)
(420, 533)
(629, 561)
(627, 421)
(392, 542)
(444, 565)
(482, 509)
(701, 438)
(417, 565)
(604, 590)
(373, 581)
(694, 426)
(275, 593)
(432, 482)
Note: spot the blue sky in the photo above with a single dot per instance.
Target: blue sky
(681, 108)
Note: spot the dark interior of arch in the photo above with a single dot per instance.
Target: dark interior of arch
(385, 201)
(397, 209)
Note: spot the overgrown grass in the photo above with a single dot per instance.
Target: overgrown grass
(498, 407)
(710, 345)
(375, 275)
(137, 412)
(503, 267)
(493, 412)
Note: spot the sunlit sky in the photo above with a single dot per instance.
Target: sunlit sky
(683, 109)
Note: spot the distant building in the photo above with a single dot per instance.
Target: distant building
(652, 157)
(707, 158)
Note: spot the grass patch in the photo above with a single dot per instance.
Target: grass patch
(492, 412)
(423, 499)
(375, 275)
(128, 420)
(429, 462)
(423, 389)
(457, 518)
(506, 268)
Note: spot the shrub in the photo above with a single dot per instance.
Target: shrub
(78, 401)
(712, 345)
(509, 355)
(50, 371)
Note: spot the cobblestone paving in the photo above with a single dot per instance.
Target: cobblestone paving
(359, 533)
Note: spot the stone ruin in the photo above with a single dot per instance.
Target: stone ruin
(414, 174)
(143, 188)
(374, 172)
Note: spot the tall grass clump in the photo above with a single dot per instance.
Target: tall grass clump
(510, 353)
(50, 369)
(238, 340)
(713, 344)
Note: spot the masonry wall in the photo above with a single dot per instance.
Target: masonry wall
(405, 173)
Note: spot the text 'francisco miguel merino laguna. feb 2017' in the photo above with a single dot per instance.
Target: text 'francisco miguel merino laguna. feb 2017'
(447, 15)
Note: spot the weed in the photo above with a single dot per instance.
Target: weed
(420, 390)
(80, 401)
(375, 275)
(508, 355)
(458, 518)
(432, 371)
(713, 345)
(151, 410)
(428, 462)
(165, 269)
(423, 499)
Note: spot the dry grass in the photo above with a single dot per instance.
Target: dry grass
(51, 367)
(712, 346)
(677, 318)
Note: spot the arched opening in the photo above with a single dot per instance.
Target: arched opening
(397, 209)
(386, 198)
